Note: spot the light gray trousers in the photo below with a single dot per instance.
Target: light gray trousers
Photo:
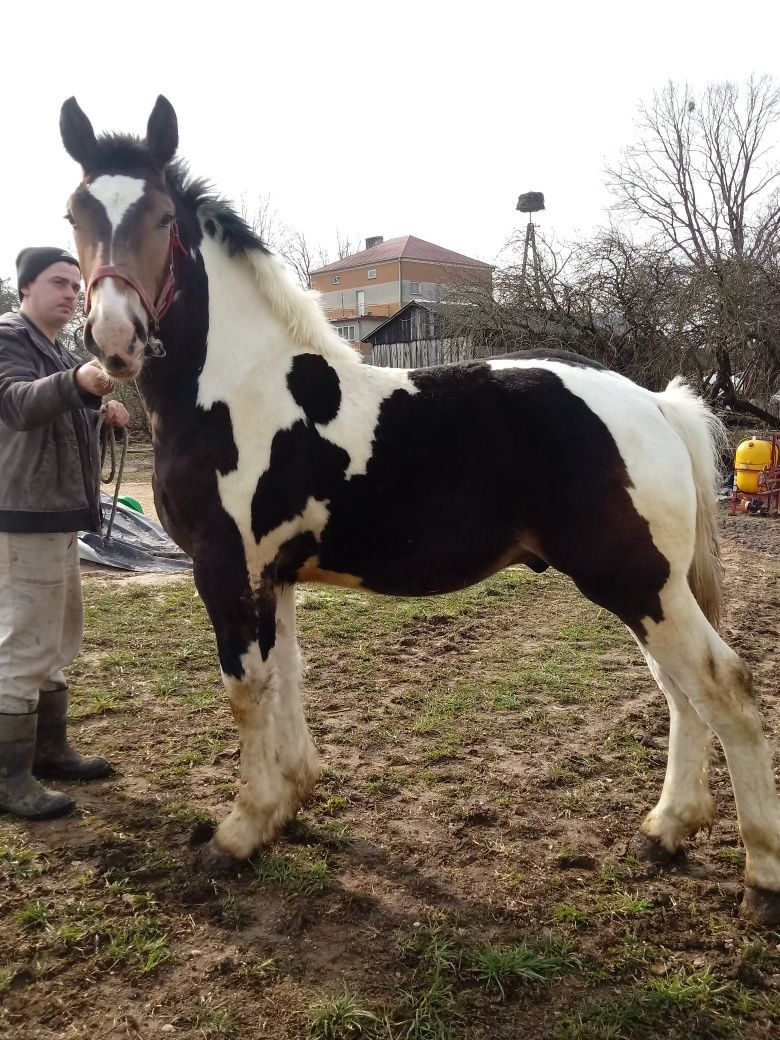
(41, 615)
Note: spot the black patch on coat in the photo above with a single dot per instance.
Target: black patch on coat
(291, 558)
(239, 615)
(315, 386)
(303, 465)
(235, 233)
(481, 468)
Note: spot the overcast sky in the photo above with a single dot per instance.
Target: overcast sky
(424, 118)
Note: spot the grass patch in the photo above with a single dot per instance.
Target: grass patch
(214, 1019)
(498, 967)
(569, 913)
(623, 905)
(301, 877)
(34, 915)
(140, 944)
(17, 862)
(692, 1004)
(340, 1018)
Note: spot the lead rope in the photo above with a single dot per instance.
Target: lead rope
(107, 438)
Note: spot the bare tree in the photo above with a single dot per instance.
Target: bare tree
(345, 246)
(265, 221)
(703, 181)
(301, 255)
(701, 173)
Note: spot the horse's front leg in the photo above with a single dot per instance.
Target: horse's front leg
(260, 668)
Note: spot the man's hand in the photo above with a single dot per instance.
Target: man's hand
(93, 380)
(115, 414)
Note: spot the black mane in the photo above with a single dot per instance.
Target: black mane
(126, 154)
(197, 197)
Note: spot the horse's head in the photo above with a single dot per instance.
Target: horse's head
(123, 219)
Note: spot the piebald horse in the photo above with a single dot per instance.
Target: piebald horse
(281, 458)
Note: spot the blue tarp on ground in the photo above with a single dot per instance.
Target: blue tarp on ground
(137, 543)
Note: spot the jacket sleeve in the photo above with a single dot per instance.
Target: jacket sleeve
(28, 400)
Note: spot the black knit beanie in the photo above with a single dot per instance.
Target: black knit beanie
(31, 261)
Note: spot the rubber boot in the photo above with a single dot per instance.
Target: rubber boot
(54, 757)
(20, 792)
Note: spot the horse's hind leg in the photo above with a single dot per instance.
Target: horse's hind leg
(686, 805)
(719, 687)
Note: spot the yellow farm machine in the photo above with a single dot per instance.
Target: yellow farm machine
(757, 476)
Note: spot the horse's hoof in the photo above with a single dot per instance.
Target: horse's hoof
(218, 863)
(761, 905)
(643, 847)
(202, 832)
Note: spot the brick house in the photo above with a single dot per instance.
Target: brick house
(361, 291)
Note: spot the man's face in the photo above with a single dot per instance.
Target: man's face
(52, 296)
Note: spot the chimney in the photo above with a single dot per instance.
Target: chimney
(376, 240)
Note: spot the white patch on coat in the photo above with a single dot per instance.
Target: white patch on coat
(364, 389)
(250, 351)
(313, 518)
(117, 193)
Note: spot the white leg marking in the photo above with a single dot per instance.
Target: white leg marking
(298, 756)
(686, 805)
(718, 684)
(278, 758)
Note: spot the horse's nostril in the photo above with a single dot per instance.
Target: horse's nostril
(90, 342)
(114, 363)
(140, 331)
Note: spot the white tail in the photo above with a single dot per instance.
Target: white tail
(703, 435)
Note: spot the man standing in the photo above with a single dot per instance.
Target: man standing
(49, 475)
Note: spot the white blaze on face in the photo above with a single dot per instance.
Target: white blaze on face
(116, 193)
(112, 310)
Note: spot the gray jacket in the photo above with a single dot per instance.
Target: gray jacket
(49, 466)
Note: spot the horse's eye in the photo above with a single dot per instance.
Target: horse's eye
(167, 220)
(70, 219)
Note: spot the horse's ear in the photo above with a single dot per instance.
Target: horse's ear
(77, 133)
(162, 132)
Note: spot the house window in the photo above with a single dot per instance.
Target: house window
(371, 272)
(347, 331)
(414, 289)
(336, 279)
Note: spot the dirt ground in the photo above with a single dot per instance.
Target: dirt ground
(487, 759)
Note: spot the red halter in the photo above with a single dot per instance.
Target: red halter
(164, 300)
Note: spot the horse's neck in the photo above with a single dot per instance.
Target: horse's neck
(241, 352)
(246, 342)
